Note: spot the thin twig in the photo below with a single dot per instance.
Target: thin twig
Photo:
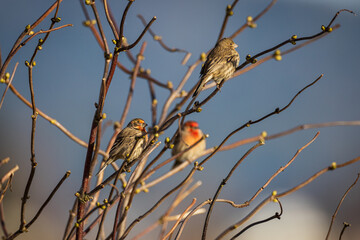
(158, 203)
(4, 161)
(8, 175)
(125, 48)
(180, 218)
(275, 216)
(228, 13)
(291, 40)
(281, 169)
(27, 226)
(223, 182)
(188, 217)
(248, 124)
(243, 27)
(333, 166)
(164, 218)
(241, 143)
(40, 32)
(140, 57)
(98, 21)
(338, 207)
(159, 38)
(110, 20)
(343, 230)
(28, 29)
(8, 84)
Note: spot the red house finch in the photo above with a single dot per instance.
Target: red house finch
(188, 136)
(129, 143)
(220, 64)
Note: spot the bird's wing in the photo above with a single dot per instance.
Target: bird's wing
(125, 133)
(119, 140)
(212, 65)
(234, 59)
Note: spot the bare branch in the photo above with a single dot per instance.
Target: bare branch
(338, 207)
(8, 85)
(228, 12)
(159, 38)
(333, 166)
(178, 221)
(275, 216)
(27, 226)
(343, 230)
(28, 29)
(224, 181)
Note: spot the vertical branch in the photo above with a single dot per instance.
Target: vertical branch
(110, 19)
(97, 146)
(82, 196)
(72, 215)
(93, 6)
(121, 33)
(140, 57)
(86, 174)
(229, 12)
(32, 154)
(153, 104)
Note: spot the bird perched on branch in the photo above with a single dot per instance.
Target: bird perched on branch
(129, 143)
(188, 136)
(220, 64)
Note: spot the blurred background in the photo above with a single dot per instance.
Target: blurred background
(67, 80)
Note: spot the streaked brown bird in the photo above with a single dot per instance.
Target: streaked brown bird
(220, 64)
(129, 143)
(189, 135)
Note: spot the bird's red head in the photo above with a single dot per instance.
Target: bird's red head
(192, 124)
(192, 132)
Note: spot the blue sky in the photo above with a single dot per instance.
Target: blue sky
(67, 80)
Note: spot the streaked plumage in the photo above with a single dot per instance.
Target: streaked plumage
(220, 64)
(189, 135)
(124, 144)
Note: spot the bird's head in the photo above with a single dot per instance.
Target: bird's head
(192, 128)
(227, 43)
(138, 124)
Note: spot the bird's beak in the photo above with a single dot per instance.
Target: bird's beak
(235, 45)
(144, 128)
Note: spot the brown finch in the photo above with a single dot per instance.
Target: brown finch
(189, 135)
(220, 64)
(129, 143)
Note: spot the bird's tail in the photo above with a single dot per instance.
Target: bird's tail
(203, 80)
(198, 88)
(107, 162)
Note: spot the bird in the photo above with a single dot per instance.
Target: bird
(189, 135)
(220, 64)
(129, 143)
